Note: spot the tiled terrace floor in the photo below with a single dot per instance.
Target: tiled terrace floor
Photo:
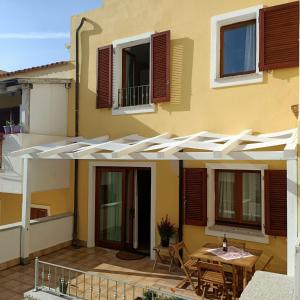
(19, 279)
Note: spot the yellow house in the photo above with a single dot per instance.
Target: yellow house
(187, 105)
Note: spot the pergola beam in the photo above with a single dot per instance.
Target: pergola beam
(139, 145)
(177, 146)
(230, 144)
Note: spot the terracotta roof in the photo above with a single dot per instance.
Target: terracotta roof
(43, 67)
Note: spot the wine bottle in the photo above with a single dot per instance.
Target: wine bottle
(225, 248)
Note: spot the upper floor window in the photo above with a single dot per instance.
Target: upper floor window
(134, 73)
(135, 76)
(238, 48)
(235, 48)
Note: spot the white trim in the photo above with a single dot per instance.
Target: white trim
(131, 110)
(47, 207)
(91, 198)
(216, 23)
(118, 46)
(235, 233)
(292, 212)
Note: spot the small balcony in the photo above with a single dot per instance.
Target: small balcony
(134, 96)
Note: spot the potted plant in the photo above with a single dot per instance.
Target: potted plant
(17, 128)
(7, 128)
(166, 230)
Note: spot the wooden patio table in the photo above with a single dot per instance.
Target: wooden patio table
(246, 263)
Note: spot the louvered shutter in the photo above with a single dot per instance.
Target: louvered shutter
(279, 34)
(275, 202)
(160, 67)
(104, 77)
(195, 196)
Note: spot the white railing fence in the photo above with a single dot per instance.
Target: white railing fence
(70, 283)
(134, 95)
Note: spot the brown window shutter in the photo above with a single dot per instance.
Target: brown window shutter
(276, 202)
(160, 66)
(195, 196)
(104, 78)
(279, 34)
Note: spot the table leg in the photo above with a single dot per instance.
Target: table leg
(234, 282)
(244, 278)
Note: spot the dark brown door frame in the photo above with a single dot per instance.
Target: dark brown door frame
(104, 243)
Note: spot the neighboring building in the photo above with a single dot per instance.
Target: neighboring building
(36, 98)
(189, 69)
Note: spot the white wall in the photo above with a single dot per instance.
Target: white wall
(10, 236)
(49, 233)
(46, 175)
(48, 109)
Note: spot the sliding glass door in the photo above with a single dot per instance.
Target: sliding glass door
(109, 207)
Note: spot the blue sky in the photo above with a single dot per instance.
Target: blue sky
(35, 32)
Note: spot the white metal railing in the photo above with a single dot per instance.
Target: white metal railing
(297, 269)
(71, 283)
(133, 96)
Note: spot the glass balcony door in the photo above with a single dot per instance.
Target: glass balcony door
(109, 207)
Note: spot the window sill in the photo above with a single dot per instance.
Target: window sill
(131, 110)
(244, 234)
(237, 80)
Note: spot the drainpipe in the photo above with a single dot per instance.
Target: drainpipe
(180, 204)
(75, 241)
(180, 221)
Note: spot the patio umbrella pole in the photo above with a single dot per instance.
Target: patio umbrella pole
(75, 241)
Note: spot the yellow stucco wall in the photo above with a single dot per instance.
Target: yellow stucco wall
(59, 201)
(194, 106)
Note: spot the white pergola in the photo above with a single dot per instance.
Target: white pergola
(204, 146)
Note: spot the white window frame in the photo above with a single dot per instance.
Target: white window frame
(118, 46)
(212, 228)
(216, 23)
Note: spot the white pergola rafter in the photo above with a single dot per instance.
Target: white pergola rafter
(203, 145)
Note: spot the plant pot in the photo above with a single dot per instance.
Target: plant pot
(165, 242)
(63, 286)
(7, 129)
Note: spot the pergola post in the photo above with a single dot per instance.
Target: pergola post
(292, 211)
(26, 201)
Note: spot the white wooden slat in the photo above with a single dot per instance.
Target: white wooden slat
(230, 144)
(178, 145)
(279, 133)
(69, 147)
(209, 156)
(290, 150)
(261, 145)
(138, 146)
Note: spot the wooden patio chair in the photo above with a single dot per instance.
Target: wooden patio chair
(188, 266)
(212, 276)
(263, 262)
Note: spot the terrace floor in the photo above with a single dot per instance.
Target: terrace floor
(19, 279)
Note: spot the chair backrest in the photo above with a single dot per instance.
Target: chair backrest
(263, 262)
(205, 266)
(239, 245)
(180, 247)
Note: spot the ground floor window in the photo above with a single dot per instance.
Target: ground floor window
(238, 198)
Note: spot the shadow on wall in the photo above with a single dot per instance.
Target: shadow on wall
(182, 52)
(286, 74)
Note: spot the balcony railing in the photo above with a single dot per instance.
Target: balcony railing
(133, 96)
(70, 283)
